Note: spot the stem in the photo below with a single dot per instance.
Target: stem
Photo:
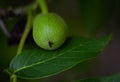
(13, 78)
(44, 9)
(26, 32)
(43, 6)
(4, 29)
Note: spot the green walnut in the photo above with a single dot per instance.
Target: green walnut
(49, 31)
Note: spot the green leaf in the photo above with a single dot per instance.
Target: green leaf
(113, 78)
(39, 63)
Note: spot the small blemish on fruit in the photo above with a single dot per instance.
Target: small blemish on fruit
(50, 43)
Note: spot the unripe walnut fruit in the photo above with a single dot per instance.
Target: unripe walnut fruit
(49, 31)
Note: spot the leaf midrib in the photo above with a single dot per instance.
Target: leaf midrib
(45, 60)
